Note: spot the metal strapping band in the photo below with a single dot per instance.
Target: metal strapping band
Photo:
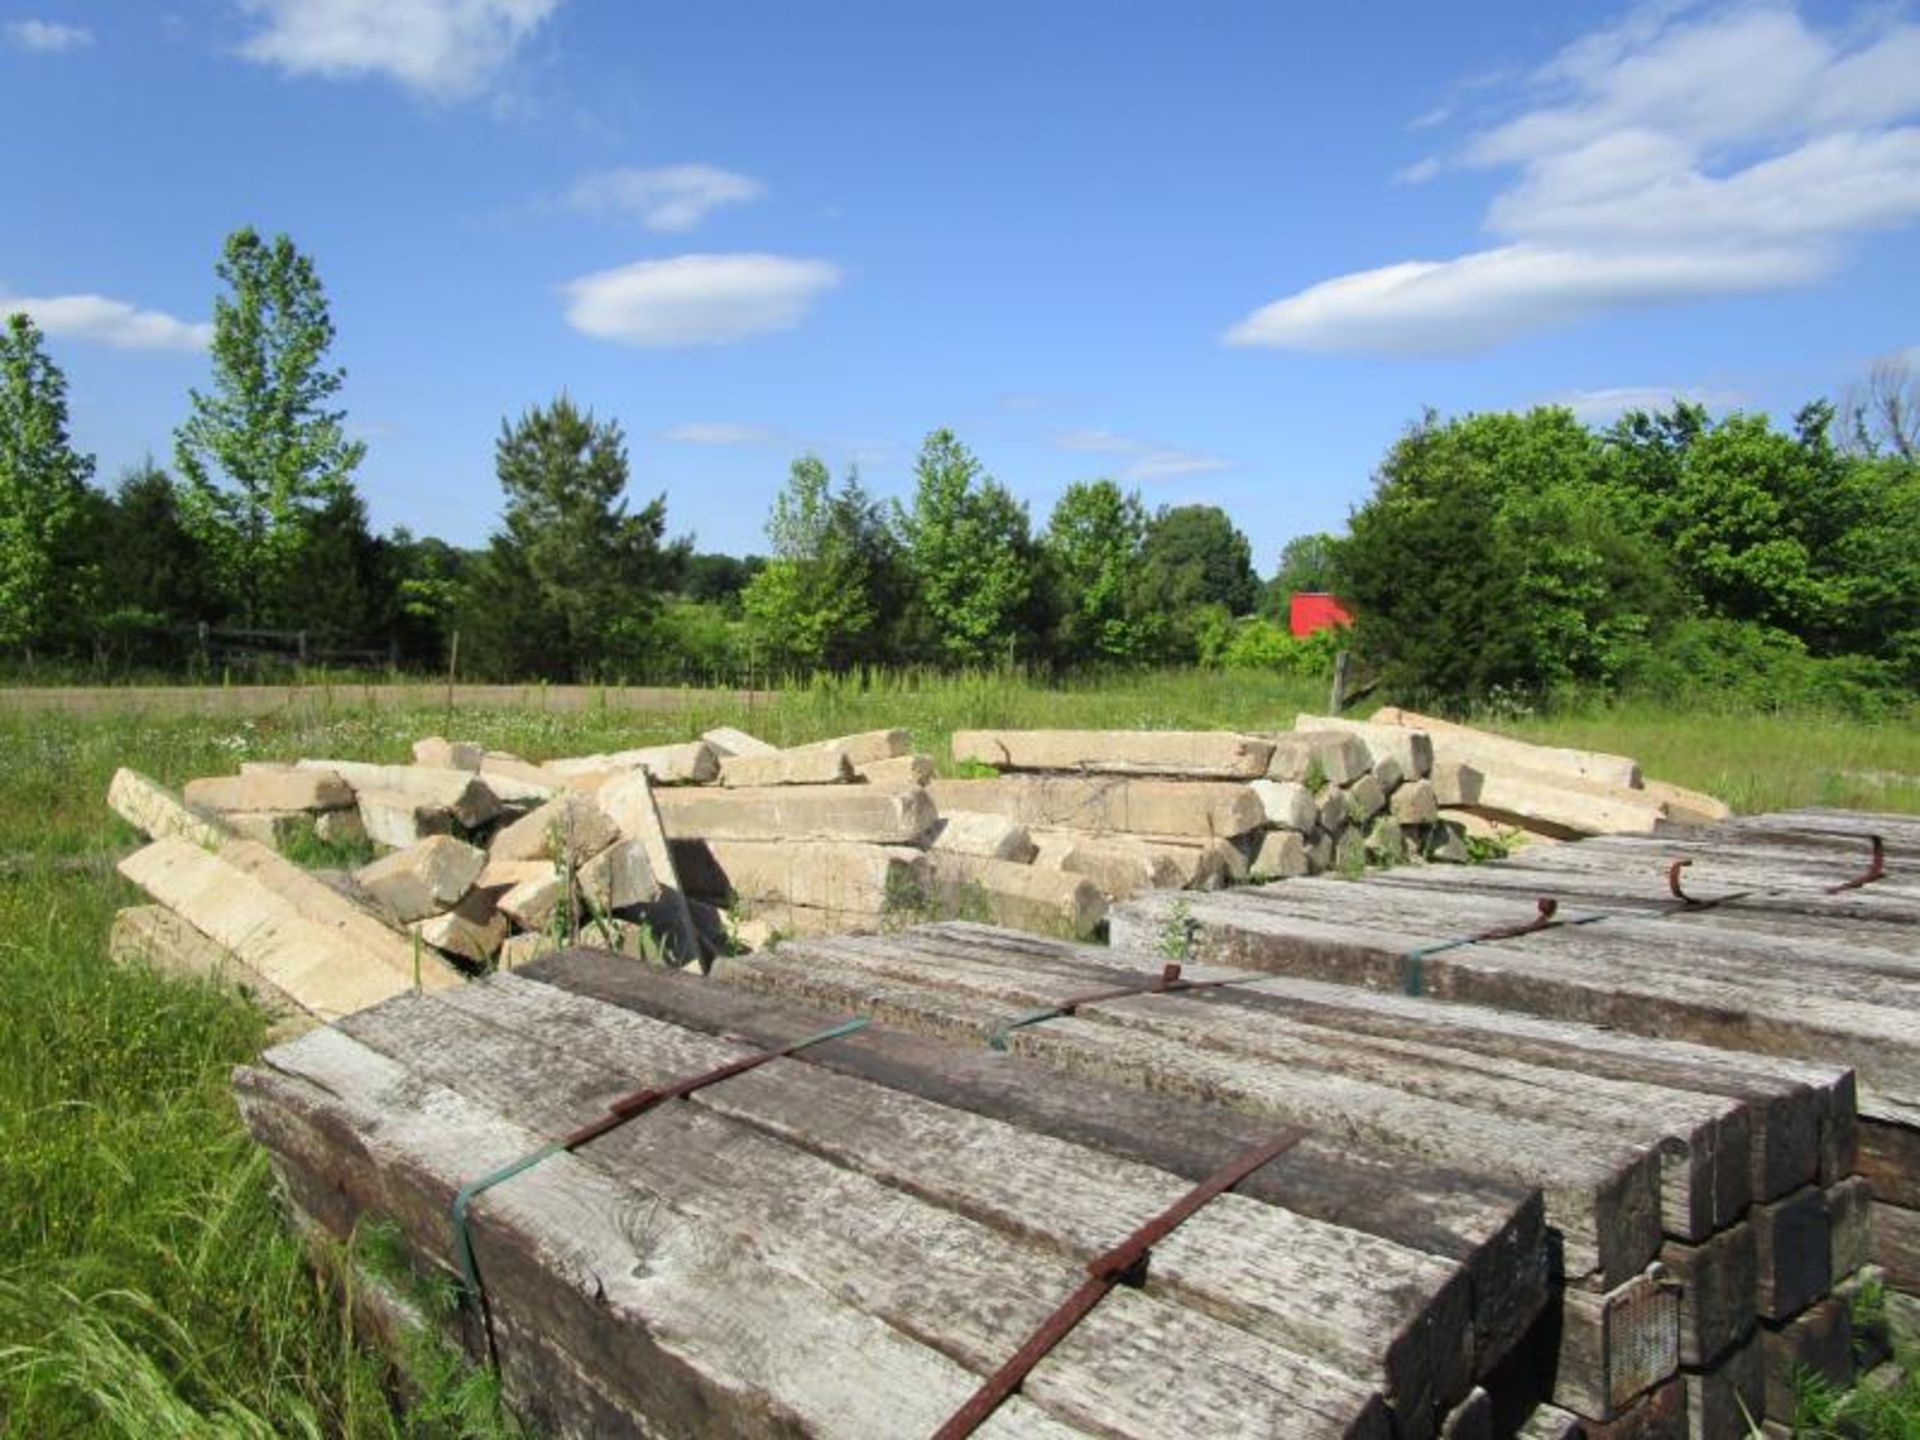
(1125, 1264)
(1169, 983)
(1414, 980)
(618, 1113)
(1691, 902)
(1876, 869)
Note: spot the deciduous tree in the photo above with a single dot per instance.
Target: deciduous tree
(264, 453)
(43, 484)
(1093, 548)
(969, 552)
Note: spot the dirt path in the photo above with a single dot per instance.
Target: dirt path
(273, 699)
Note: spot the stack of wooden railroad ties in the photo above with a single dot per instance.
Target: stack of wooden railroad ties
(1572, 1143)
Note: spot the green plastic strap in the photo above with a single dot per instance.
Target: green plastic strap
(474, 1189)
(1414, 980)
(1000, 1038)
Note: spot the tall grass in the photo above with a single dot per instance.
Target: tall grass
(146, 1285)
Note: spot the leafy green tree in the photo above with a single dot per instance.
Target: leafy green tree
(43, 489)
(1093, 549)
(158, 568)
(1306, 568)
(570, 584)
(1195, 555)
(716, 579)
(262, 454)
(817, 602)
(1501, 553)
(969, 553)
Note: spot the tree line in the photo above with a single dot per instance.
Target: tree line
(1498, 556)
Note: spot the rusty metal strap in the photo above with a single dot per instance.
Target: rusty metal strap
(618, 1113)
(1876, 869)
(1548, 917)
(1168, 983)
(1124, 1264)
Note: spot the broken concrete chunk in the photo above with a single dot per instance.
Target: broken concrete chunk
(567, 827)
(1313, 758)
(426, 878)
(534, 902)
(811, 766)
(270, 790)
(1288, 804)
(443, 754)
(1206, 754)
(973, 832)
(153, 810)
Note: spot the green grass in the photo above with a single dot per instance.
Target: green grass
(146, 1285)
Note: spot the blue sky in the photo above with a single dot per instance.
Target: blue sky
(1220, 252)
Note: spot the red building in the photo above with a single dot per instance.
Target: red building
(1312, 611)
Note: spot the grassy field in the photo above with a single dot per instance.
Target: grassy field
(146, 1286)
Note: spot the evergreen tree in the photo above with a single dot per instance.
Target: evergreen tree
(43, 490)
(570, 585)
(262, 455)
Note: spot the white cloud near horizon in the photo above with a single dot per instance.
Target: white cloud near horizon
(47, 37)
(442, 49)
(719, 432)
(1143, 461)
(98, 320)
(672, 198)
(1677, 156)
(698, 299)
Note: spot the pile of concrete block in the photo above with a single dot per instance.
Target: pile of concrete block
(1159, 810)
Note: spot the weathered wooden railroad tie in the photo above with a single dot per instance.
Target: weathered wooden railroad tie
(1789, 942)
(850, 1239)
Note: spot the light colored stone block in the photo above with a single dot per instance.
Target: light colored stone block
(455, 934)
(868, 746)
(1288, 804)
(1386, 841)
(992, 837)
(155, 812)
(462, 794)
(278, 788)
(1488, 752)
(533, 903)
(1456, 783)
(1199, 808)
(811, 766)
(428, 877)
(873, 814)
(398, 820)
(726, 741)
(1025, 897)
(1204, 754)
(1414, 804)
(340, 827)
(1331, 756)
(1121, 865)
(629, 803)
(1365, 799)
(693, 763)
(1413, 749)
(441, 754)
(899, 770)
(567, 827)
(618, 878)
(1389, 773)
(273, 828)
(824, 875)
(1281, 856)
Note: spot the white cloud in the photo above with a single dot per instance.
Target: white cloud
(97, 320)
(1145, 461)
(1598, 406)
(698, 299)
(719, 432)
(48, 37)
(1420, 171)
(1436, 116)
(673, 198)
(1669, 158)
(445, 49)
